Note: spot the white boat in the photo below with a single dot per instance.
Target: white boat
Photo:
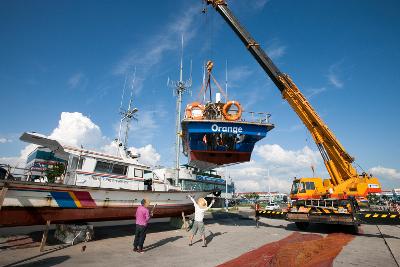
(95, 186)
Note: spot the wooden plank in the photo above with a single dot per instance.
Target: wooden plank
(3, 195)
(185, 224)
(44, 237)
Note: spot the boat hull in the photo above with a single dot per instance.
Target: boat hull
(211, 143)
(24, 216)
(34, 204)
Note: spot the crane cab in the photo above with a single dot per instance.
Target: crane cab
(307, 188)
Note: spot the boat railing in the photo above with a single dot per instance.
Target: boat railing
(247, 116)
(256, 117)
(31, 174)
(13, 173)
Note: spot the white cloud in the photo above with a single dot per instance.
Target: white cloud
(76, 129)
(333, 75)
(281, 164)
(389, 177)
(315, 91)
(275, 154)
(76, 80)
(110, 148)
(12, 161)
(334, 80)
(148, 155)
(144, 129)
(275, 49)
(385, 173)
(4, 140)
(253, 177)
(260, 3)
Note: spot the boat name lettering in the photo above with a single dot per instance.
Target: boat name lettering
(225, 129)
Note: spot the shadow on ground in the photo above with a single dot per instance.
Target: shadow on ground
(211, 236)
(162, 242)
(52, 261)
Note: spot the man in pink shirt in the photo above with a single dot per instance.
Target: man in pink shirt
(142, 219)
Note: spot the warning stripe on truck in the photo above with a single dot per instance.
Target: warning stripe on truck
(271, 214)
(381, 215)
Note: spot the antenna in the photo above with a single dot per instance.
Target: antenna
(204, 81)
(179, 87)
(126, 118)
(226, 80)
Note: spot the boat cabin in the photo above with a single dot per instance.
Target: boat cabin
(84, 167)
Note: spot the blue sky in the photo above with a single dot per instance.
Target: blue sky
(68, 56)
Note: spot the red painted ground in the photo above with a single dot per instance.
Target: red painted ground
(308, 250)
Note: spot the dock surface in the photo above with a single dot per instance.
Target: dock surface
(232, 239)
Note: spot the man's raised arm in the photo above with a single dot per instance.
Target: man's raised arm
(212, 202)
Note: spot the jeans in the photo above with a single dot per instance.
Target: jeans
(140, 236)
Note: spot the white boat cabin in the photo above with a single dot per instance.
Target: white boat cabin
(91, 168)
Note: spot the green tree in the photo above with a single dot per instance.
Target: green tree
(252, 196)
(373, 199)
(56, 171)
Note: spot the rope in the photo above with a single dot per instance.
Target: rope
(219, 87)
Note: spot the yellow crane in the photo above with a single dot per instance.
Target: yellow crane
(308, 192)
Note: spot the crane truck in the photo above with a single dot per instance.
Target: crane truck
(315, 200)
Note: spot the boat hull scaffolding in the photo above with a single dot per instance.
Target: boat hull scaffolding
(214, 143)
(34, 203)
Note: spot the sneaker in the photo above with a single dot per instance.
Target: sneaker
(204, 246)
(190, 244)
(141, 251)
(135, 249)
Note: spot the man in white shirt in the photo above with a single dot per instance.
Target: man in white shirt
(198, 226)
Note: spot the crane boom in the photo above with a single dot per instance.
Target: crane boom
(337, 161)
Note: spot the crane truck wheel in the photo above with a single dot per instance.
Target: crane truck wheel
(355, 229)
(302, 225)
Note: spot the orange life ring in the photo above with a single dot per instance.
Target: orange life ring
(232, 117)
(194, 115)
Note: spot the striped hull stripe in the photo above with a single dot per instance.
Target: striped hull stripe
(71, 199)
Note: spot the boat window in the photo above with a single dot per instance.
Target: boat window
(107, 167)
(102, 166)
(74, 163)
(149, 175)
(80, 163)
(138, 173)
(119, 169)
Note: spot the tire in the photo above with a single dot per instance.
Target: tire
(354, 229)
(302, 225)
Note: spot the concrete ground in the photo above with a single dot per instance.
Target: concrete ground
(228, 237)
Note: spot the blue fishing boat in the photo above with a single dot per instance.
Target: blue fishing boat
(220, 133)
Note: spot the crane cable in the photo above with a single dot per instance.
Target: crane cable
(209, 66)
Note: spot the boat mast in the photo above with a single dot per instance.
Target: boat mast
(126, 118)
(180, 87)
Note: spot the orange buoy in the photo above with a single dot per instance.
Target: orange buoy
(232, 117)
(194, 111)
